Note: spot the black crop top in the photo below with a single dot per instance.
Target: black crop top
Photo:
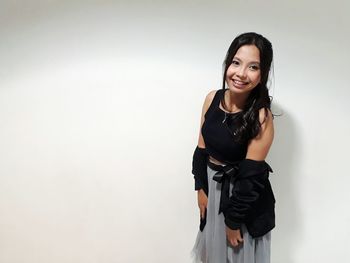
(218, 140)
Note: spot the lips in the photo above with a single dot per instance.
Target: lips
(239, 82)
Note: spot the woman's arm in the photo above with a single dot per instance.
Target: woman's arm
(246, 190)
(199, 163)
(259, 146)
(208, 99)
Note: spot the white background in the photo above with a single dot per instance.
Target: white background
(100, 107)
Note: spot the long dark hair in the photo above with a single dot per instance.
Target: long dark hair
(246, 125)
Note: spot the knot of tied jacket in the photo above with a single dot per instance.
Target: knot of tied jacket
(226, 175)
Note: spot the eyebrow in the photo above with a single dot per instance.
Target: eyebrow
(256, 62)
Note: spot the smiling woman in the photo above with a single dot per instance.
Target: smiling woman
(243, 74)
(235, 198)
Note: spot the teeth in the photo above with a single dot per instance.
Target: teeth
(239, 82)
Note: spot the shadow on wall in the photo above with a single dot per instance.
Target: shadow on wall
(286, 160)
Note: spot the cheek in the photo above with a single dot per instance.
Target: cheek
(257, 77)
(229, 72)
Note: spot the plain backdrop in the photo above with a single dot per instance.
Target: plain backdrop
(100, 105)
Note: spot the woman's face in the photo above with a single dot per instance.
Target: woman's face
(244, 74)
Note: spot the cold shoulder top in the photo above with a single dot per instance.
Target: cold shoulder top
(217, 137)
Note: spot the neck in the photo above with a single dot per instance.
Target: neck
(235, 101)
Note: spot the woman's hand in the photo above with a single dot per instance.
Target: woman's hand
(202, 202)
(234, 236)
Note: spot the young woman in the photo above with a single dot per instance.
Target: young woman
(235, 197)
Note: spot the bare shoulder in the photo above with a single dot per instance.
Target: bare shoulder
(209, 98)
(259, 146)
(266, 121)
(265, 117)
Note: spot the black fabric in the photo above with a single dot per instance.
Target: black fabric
(252, 201)
(217, 136)
(225, 175)
(199, 169)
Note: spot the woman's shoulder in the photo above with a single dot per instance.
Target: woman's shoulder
(208, 101)
(265, 115)
(210, 97)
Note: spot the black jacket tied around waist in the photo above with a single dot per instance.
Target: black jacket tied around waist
(251, 200)
(226, 175)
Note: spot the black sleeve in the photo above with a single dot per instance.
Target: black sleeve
(199, 168)
(251, 180)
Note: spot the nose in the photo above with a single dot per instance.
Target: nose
(241, 73)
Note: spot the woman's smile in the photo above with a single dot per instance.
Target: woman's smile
(239, 84)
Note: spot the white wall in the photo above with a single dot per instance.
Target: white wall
(100, 104)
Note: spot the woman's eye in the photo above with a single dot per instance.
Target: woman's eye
(255, 67)
(235, 62)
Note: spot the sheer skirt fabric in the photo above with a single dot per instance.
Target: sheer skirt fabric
(211, 245)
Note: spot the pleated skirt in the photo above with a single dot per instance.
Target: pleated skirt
(211, 244)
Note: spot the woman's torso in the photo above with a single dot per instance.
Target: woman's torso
(217, 137)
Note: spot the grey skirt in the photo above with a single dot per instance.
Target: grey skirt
(212, 246)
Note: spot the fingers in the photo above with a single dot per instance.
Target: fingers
(234, 237)
(236, 242)
(202, 211)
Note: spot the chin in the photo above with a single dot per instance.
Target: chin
(239, 90)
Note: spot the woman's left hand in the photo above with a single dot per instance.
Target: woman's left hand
(234, 236)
